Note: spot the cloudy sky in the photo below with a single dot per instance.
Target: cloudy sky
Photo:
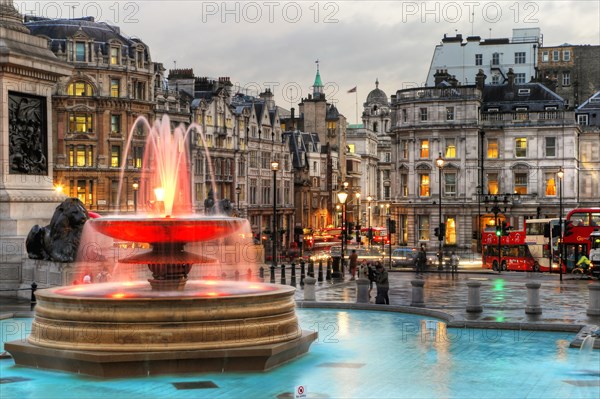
(276, 43)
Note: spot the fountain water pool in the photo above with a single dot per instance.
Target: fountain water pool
(359, 354)
(136, 328)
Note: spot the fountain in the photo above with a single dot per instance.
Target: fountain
(168, 324)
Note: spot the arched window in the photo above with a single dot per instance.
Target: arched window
(80, 89)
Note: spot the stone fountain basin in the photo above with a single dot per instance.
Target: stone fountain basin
(176, 229)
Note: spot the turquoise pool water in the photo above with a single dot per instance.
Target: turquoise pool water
(359, 354)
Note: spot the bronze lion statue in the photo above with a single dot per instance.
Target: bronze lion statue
(59, 240)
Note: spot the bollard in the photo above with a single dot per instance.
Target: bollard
(594, 307)
(261, 273)
(311, 269)
(33, 300)
(237, 275)
(293, 278)
(320, 277)
(328, 270)
(362, 290)
(474, 301)
(283, 274)
(533, 298)
(249, 274)
(302, 273)
(418, 294)
(309, 289)
(272, 280)
(223, 276)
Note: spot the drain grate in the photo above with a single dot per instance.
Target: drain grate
(342, 365)
(195, 385)
(8, 380)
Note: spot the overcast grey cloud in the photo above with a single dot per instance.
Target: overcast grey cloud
(275, 44)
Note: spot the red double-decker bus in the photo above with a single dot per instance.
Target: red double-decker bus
(580, 223)
(515, 253)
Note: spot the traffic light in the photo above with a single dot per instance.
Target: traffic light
(436, 232)
(568, 228)
(443, 230)
(556, 231)
(370, 233)
(498, 231)
(392, 226)
(505, 229)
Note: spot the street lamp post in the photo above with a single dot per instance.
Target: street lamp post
(135, 186)
(369, 199)
(440, 164)
(357, 218)
(238, 191)
(342, 196)
(274, 168)
(560, 174)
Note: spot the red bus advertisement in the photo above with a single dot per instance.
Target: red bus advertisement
(579, 225)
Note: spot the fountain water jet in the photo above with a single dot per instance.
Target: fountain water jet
(136, 328)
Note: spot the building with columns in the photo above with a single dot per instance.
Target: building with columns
(497, 141)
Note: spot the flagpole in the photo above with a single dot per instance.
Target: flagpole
(356, 107)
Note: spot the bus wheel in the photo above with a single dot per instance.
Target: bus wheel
(536, 267)
(495, 266)
(503, 266)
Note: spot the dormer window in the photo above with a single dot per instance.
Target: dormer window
(524, 92)
(80, 51)
(114, 56)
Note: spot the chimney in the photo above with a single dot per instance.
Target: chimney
(440, 76)
(510, 76)
(480, 80)
(453, 81)
(292, 119)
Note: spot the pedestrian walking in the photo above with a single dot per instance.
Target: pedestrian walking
(421, 261)
(454, 260)
(383, 285)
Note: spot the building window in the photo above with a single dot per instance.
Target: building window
(253, 159)
(138, 156)
(404, 185)
(478, 59)
(550, 181)
(495, 79)
(566, 55)
(495, 58)
(253, 192)
(404, 115)
(520, 183)
(566, 78)
(423, 224)
(115, 88)
(545, 56)
(265, 161)
(424, 150)
(450, 230)
(424, 185)
(520, 57)
(550, 146)
(80, 89)
(582, 119)
(115, 156)
(450, 151)
(555, 55)
(449, 183)
(266, 191)
(449, 113)
(114, 56)
(423, 113)
(115, 124)
(521, 147)
(519, 78)
(493, 186)
(80, 156)
(492, 148)
(81, 123)
(80, 51)
(405, 149)
(81, 190)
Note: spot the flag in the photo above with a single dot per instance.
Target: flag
(352, 90)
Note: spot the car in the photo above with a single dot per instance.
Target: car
(372, 254)
(401, 257)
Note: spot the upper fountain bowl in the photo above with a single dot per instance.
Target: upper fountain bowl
(177, 229)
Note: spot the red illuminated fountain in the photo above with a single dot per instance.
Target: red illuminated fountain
(171, 325)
